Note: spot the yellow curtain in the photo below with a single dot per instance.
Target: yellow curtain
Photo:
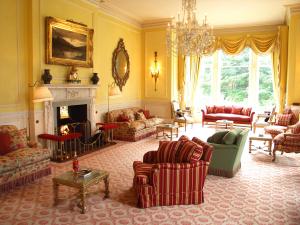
(195, 72)
(261, 43)
(181, 80)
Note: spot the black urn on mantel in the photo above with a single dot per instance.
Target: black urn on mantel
(47, 77)
(95, 78)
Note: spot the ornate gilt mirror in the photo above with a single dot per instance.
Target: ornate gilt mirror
(120, 65)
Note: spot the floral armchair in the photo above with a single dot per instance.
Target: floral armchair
(288, 142)
(172, 175)
(20, 162)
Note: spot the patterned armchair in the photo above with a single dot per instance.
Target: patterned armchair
(288, 142)
(20, 162)
(172, 175)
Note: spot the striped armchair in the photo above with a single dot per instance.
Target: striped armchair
(172, 175)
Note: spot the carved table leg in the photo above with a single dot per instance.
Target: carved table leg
(82, 195)
(274, 155)
(270, 147)
(55, 193)
(106, 182)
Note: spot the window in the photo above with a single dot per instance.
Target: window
(205, 78)
(266, 93)
(235, 77)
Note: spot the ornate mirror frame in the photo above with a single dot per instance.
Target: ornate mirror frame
(120, 79)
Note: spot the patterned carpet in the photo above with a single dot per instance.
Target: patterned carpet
(262, 192)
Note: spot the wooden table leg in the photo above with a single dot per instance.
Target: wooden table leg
(171, 134)
(274, 155)
(177, 132)
(250, 144)
(106, 183)
(55, 193)
(270, 147)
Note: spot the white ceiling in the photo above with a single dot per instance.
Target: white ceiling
(221, 13)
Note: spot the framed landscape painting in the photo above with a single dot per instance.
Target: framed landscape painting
(68, 43)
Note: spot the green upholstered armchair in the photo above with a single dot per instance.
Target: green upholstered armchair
(226, 158)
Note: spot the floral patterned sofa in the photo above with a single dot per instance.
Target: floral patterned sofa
(133, 123)
(20, 164)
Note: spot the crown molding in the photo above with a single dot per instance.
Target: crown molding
(293, 8)
(160, 23)
(115, 12)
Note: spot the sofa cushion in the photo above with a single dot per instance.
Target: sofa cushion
(234, 117)
(4, 143)
(236, 110)
(183, 138)
(210, 109)
(156, 121)
(274, 130)
(217, 137)
(130, 114)
(27, 156)
(7, 164)
(122, 118)
(283, 119)
(246, 111)
(146, 113)
(18, 139)
(189, 152)
(137, 125)
(219, 109)
(167, 151)
(227, 109)
(207, 149)
(7, 128)
(230, 137)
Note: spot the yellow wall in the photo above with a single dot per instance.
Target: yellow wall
(24, 47)
(154, 40)
(293, 78)
(14, 55)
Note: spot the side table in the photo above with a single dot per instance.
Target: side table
(108, 128)
(70, 179)
(264, 138)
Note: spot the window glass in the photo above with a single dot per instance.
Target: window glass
(205, 78)
(234, 77)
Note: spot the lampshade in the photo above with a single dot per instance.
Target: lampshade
(113, 90)
(41, 94)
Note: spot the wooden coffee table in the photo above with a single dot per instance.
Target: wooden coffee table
(167, 128)
(261, 137)
(70, 179)
(224, 124)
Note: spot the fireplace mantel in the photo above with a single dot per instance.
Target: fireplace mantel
(73, 93)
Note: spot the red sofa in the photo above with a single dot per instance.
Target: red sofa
(237, 114)
(172, 175)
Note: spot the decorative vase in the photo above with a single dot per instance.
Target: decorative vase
(47, 77)
(95, 78)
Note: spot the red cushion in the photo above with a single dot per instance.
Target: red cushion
(236, 110)
(210, 109)
(228, 109)
(122, 118)
(146, 113)
(246, 111)
(167, 151)
(4, 144)
(190, 152)
(233, 117)
(219, 109)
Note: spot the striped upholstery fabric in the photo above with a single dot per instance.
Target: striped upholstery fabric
(295, 129)
(207, 149)
(167, 151)
(283, 119)
(189, 152)
(286, 143)
(150, 157)
(172, 183)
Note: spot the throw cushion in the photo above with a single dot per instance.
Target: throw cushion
(18, 139)
(283, 119)
(210, 109)
(146, 113)
(140, 116)
(227, 109)
(130, 115)
(236, 110)
(219, 109)
(189, 153)
(217, 138)
(122, 118)
(167, 150)
(4, 143)
(183, 138)
(246, 111)
(230, 137)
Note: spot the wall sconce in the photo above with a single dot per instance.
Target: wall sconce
(155, 70)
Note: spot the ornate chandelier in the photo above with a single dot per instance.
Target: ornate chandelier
(187, 37)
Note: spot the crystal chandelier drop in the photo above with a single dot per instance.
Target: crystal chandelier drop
(187, 37)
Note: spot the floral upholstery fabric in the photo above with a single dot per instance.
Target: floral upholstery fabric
(18, 139)
(140, 116)
(137, 125)
(27, 156)
(7, 163)
(156, 121)
(130, 114)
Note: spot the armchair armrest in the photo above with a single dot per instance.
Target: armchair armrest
(150, 157)
(203, 112)
(252, 116)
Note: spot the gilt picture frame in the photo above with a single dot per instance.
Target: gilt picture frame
(68, 43)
